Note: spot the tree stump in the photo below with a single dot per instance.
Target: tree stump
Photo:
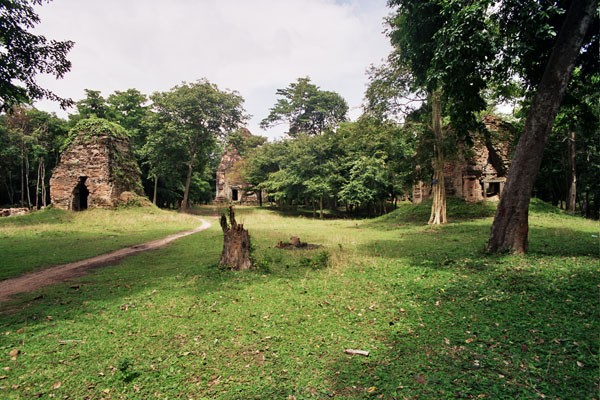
(236, 244)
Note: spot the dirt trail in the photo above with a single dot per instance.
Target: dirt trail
(61, 273)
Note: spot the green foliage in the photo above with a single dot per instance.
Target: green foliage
(447, 46)
(361, 164)
(92, 106)
(184, 127)
(306, 109)
(24, 54)
(244, 141)
(30, 143)
(91, 129)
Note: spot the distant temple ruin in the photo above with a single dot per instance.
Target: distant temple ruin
(231, 187)
(479, 172)
(95, 168)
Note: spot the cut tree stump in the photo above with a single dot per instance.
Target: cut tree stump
(236, 244)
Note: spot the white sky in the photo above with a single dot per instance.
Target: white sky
(251, 46)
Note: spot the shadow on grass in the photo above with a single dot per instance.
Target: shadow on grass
(501, 334)
(442, 244)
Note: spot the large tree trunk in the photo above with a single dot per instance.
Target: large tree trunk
(572, 192)
(438, 207)
(510, 228)
(236, 244)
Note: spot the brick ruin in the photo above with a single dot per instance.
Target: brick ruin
(479, 172)
(230, 183)
(95, 169)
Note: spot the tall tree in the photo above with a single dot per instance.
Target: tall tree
(29, 146)
(128, 108)
(24, 54)
(191, 116)
(441, 49)
(511, 227)
(93, 105)
(306, 109)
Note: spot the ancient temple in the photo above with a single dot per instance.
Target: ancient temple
(231, 186)
(230, 182)
(96, 167)
(479, 172)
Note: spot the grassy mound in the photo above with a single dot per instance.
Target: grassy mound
(456, 209)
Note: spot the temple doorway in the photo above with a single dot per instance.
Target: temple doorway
(80, 195)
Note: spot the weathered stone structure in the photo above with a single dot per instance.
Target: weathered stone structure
(230, 183)
(96, 167)
(231, 187)
(479, 172)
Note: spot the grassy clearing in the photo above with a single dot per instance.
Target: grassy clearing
(440, 318)
(53, 236)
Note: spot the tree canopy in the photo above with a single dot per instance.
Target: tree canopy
(23, 55)
(306, 109)
(187, 120)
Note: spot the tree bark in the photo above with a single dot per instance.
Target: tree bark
(321, 207)
(188, 182)
(511, 226)
(155, 189)
(236, 244)
(37, 184)
(572, 192)
(44, 203)
(27, 180)
(438, 207)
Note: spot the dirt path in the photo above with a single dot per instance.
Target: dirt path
(61, 273)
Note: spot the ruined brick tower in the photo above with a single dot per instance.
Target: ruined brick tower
(95, 168)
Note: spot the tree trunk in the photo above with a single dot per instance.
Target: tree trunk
(510, 227)
(188, 182)
(236, 244)
(321, 207)
(37, 184)
(27, 180)
(438, 207)
(155, 189)
(22, 175)
(572, 190)
(43, 183)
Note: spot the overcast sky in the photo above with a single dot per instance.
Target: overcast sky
(251, 46)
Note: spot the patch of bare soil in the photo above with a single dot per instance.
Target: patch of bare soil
(62, 273)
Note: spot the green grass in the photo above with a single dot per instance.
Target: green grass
(53, 236)
(439, 317)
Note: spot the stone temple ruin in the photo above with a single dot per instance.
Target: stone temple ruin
(479, 173)
(231, 187)
(96, 168)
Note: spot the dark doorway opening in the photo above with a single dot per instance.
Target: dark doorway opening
(493, 189)
(80, 195)
(234, 195)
